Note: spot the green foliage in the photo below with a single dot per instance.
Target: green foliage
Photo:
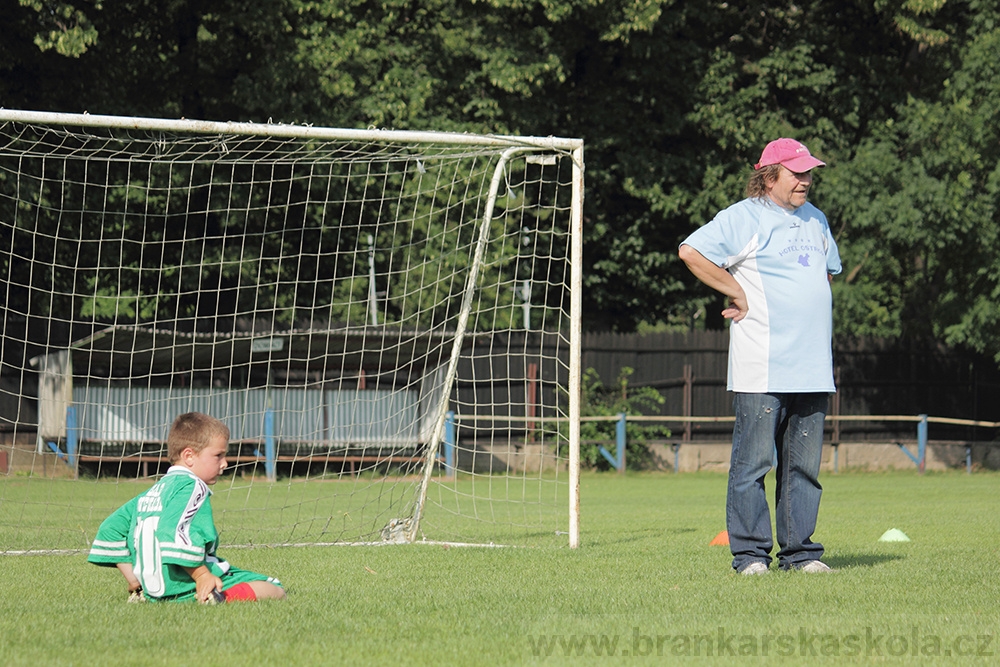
(606, 401)
(69, 31)
(915, 18)
(915, 212)
(674, 100)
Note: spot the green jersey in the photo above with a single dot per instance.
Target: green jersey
(173, 530)
(112, 544)
(164, 530)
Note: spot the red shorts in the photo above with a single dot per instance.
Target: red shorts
(240, 593)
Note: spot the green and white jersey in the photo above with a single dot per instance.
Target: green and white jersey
(112, 544)
(173, 530)
(161, 532)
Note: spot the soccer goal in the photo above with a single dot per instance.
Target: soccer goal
(388, 322)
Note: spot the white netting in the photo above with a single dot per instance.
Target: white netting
(329, 297)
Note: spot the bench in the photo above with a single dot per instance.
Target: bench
(154, 454)
(353, 462)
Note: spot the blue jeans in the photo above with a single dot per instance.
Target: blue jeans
(791, 426)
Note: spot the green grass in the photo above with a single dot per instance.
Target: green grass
(644, 573)
(63, 515)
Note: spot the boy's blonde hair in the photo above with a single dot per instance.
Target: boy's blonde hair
(194, 430)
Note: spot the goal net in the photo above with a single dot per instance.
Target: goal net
(388, 323)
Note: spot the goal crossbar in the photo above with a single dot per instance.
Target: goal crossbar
(281, 130)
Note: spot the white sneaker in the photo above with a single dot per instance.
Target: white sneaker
(814, 566)
(755, 567)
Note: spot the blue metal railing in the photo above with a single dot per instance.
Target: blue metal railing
(131, 418)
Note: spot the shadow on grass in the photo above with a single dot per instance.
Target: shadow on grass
(860, 560)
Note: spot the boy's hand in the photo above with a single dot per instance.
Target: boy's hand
(208, 587)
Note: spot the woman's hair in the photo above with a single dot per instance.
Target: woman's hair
(193, 430)
(759, 181)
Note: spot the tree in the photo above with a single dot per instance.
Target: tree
(219, 60)
(674, 100)
(917, 206)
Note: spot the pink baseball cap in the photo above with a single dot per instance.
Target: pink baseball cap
(790, 153)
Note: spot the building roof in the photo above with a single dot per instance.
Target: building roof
(125, 351)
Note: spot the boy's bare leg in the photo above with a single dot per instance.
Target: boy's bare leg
(265, 590)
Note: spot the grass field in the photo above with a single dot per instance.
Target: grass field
(644, 586)
(45, 514)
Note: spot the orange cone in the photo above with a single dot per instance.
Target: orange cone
(720, 540)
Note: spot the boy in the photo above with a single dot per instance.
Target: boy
(163, 541)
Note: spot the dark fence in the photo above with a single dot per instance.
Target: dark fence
(689, 370)
(874, 377)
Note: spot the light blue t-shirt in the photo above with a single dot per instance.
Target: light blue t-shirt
(782, 260)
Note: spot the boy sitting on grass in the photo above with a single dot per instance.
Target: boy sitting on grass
(163, 541)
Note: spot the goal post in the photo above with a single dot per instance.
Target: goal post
(387, 321)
